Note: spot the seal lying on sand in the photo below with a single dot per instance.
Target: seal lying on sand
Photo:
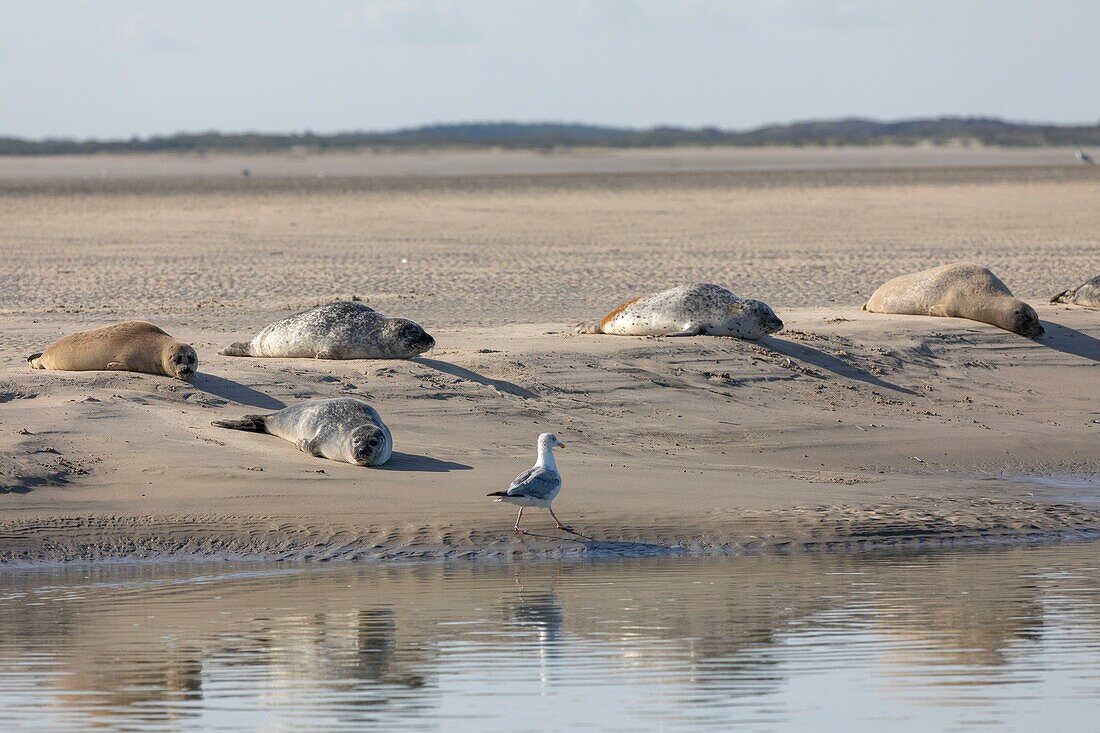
(1087, 294)
(131, 346)
(342, 429)
(698, 309)
(959, 290)
(341, 330)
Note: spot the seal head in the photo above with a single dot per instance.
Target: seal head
(1025, 321)
(368, 444)
(181, 361)
(404, 339)
(763, 315)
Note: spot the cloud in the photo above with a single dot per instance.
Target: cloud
(135, 31)
(131, 29)
(413, 21)
(379, 13)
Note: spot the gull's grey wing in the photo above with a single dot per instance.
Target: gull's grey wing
(537, 483)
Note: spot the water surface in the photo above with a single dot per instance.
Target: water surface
(1004, 639)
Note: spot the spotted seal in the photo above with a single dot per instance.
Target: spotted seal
(696, 309)
(958, 290)
(130, 346)
(1087, 294)
(340, 330)
(342, 429)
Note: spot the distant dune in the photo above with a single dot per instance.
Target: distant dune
(959, 131)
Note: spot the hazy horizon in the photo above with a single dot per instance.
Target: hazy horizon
(461, 123)
(122, 68)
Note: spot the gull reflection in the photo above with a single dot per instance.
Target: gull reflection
(535, 606)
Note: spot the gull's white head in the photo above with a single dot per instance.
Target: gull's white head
(549, 440)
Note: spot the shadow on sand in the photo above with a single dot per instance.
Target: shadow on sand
(413, 462)
(25, 484)
(227, 389)
(463, 373)
(829, 363)
(1069, 341)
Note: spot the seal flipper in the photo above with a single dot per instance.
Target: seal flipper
(588, 327)
(1061, 297)
(251, 423)
(690, 330)
(238, 348)
(310, 446)
(33, 358)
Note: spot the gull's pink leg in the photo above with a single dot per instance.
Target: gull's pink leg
(566, 527)
(517, 527)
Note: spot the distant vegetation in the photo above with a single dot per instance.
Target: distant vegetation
(941, 131)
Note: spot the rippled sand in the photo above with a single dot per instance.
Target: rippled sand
(847, 428)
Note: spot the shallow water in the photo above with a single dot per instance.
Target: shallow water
(999, 639)
(1066, 487)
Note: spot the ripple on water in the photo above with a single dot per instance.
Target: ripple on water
(1000, 638)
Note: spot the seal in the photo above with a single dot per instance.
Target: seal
(340, 330)
(342, 429)
(958, 290)
(1087, 294)
(697, 309)
(131, 346)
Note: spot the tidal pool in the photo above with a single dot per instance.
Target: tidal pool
(993, 639)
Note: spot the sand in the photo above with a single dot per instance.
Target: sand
(846, 430)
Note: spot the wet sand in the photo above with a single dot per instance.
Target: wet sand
(845, 430)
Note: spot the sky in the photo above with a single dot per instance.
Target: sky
(118, 68)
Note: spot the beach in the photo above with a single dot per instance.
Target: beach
(845, 430)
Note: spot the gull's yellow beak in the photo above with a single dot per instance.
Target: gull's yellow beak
(561, 445)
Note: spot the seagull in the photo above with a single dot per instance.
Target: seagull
(538, 485)
(1083, 157)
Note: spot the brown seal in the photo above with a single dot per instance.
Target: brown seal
(131, 346)
(959, 290)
